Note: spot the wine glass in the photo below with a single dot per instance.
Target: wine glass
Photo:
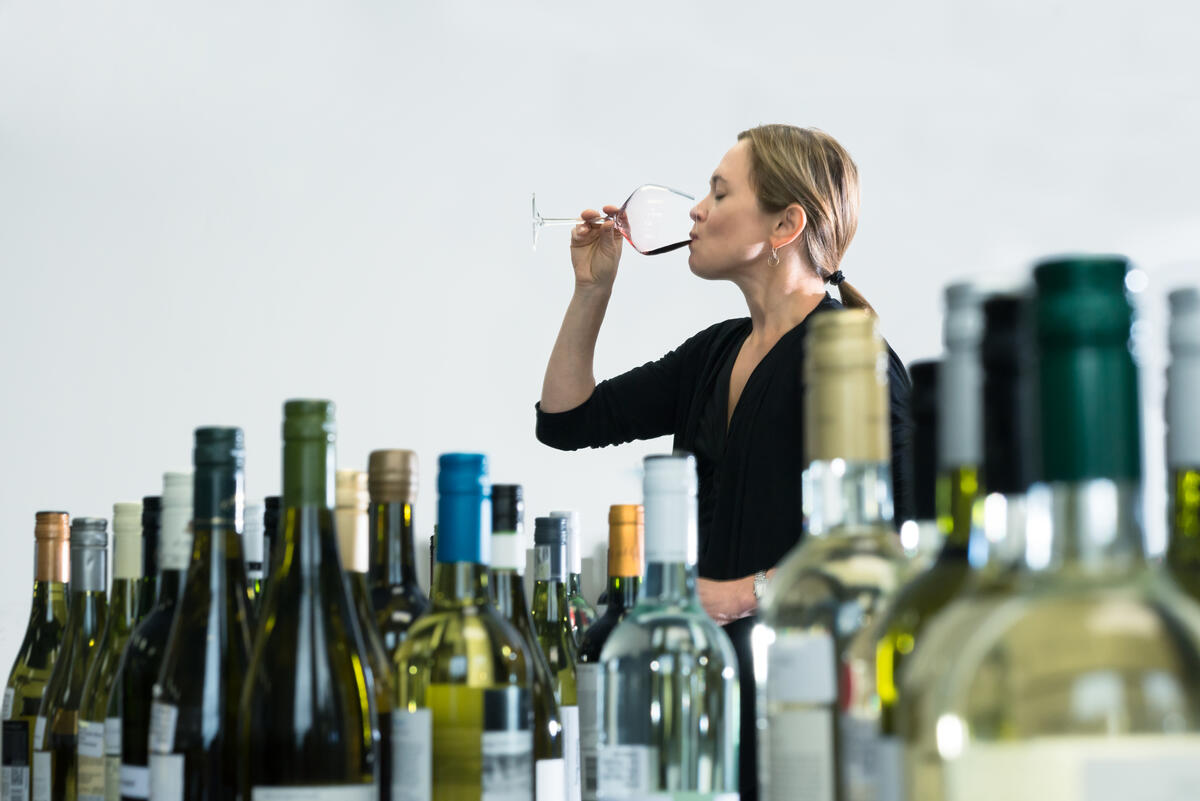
(654, 219)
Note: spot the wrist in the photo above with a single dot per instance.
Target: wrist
(593, 293)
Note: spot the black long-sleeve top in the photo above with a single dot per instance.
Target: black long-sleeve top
(749, 475)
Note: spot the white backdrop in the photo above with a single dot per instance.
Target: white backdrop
(207, 208)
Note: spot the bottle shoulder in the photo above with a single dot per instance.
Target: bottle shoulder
(649, 630)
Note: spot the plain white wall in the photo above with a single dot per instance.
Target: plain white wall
(207, 208)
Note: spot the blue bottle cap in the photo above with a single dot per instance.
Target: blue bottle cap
(464, 509)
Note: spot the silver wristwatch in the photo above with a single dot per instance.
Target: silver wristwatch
(760, 585)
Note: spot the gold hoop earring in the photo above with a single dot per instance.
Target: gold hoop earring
(773, 259)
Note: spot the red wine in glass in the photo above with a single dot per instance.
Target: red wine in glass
(654, 219)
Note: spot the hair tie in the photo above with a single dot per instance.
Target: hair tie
(837, 278)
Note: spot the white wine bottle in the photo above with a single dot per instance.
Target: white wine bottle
(38, 651)
(838, 579)
(396, 595)
(1084, 685)
(581, 613)
(252, 549)
(1183, 440)
(463, 725)
(669, 680)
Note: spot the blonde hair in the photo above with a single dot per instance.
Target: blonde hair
(807, 166)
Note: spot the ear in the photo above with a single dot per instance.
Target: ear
(789, 226)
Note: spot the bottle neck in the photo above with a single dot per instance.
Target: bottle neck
(1183, 547)
(459, 584)
(168, 588)
(217, 544)
(308, 473)
(957, 491)
(87, 613)
(1085, 532)
(550, 600)
(669, 583)
(309, 546)
(842, 498)
(574, 584)
(52, 560)
(508, 594)
(392, 555)
(997, 542)
(622, 593)
(123, 604)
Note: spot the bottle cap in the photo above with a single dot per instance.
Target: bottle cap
(464, 509)
(175, 529)
(1010, 453)
(52, 526)
(1183, 380)
(52, 538)
(309, 420)
(508, 527)
(550, 544)
(924, 404)
(846, 409)
(393, 476)
(252, 538)
(219, 447)
(626, 535)
(89, 554)
(353, 523)
(550, 531)
(574, 552)
(960, 413)
(127, 540)
(669, 486)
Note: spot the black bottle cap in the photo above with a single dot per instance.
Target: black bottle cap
(508, 507)
(219, 447)
(1009, 411)
(550, 531)
(924, 404)
(151, 516)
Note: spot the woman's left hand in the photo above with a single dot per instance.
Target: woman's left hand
(727, 601)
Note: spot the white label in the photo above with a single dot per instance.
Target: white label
(570, 721)
(39, 733)
(507, 770)
(166, 777)
(135, 781)
(112, 737)
(891, 783)
(412, 755)
(14, 784)
(41, 775)
(91, 739)
(550, 781)
(860, 742)
(798, 748)
(802, 668)
(9, 695)
(1147, 767)
(163, 718)
(587, 689)
(627, 770)
(346, 792)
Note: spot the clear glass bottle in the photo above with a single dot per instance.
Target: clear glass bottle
(581, 612)
(38, 652)
(252, 550)
(463, 725)
(626, 540)
(1086, 684)
(838, 579)
(56, 733)
(124, 598)
(920, 536)
(669, 680)
(1183, 440)
(507, 586)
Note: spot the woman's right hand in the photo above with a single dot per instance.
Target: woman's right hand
(595, 250)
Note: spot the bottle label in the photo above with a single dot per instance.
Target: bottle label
(507, 769)
(39, 733)
(861, 741)
(89, 769)
(550, 781)
(587, 689)
(112, 758)
(412, 755)
(346, 792)
(42, 767)
(135, 781)
(166, 777)
(482, 741)
(9, 695)
(112, 737)
(797, 747)
(570, 721)
(802, 668)
(14, 777)
(628, 770)
(1165, 767)
(163, 718)
(891, 780)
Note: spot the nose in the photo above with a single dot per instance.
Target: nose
(697, 213)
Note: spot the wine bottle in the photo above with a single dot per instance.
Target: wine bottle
(838, 579)
(127, 728)
(147, 581)
(194, 715)
(270, 539)
(997, 540)
(308, 717)
(1183, 440)
(252, 547)
(352, 524)
(1084, 685)
(920, 536)
(396, 595)
(582, 614)
(124, 598)
(556, 636)
(56, 732)
(625, 547)
(508, 594)
(38, 652)
(669, 679)
(462, 730)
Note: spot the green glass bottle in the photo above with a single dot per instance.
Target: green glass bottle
(507, 586)
(308, 717)
(396, 594)
(1183, 440)
(552, 625)
(580, 611)
(124, 599)
(147, 586)
(462, 729)
(127, 729)
(38, 651)
(56, 733)
(194, 716)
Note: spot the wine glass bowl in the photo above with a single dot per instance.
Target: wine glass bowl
(654, 219)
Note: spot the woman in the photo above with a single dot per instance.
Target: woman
(781, 210)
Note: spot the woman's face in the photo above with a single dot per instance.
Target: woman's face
(729, 230)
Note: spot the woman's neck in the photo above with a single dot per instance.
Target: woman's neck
(780, 298)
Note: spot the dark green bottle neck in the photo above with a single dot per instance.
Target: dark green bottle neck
(508, 594)
(957, 491)
(309, 553)
(393, 560)
(123, 602)
(622, 593)
(457, 585)
(550, 600)
(168, 588)
(308, 473)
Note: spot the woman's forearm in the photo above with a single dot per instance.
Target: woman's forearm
(569, 379)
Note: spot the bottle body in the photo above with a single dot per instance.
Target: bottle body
(396, 595)
(1183, 441)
